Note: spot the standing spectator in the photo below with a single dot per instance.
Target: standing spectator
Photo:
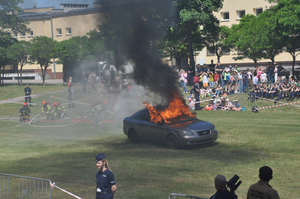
(183, 80)
(249, 77)
(263, 78)
(211, 79)
(83, 80)
(255, 79)
(245, 82)
(190, 76)
(263, 189)
(259, 71)
(70, 96)
(240, 80)
(92, 80)
(106, 185)
(205, 79)
(270, 71)
(279, 70)
(222, 192)
(211, 66)
(216, 78)
(197, 96)
(219, 68)
(27, 91)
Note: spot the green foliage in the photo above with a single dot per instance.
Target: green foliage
(18, 53)
(217, 41)
(246, 38)
(41, 51)
(190, 16)
(9, 21)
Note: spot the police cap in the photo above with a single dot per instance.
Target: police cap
(100, 156)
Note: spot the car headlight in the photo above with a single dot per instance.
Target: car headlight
(213, 130)
(186, 133)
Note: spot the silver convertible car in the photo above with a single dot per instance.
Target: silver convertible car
(190, 131)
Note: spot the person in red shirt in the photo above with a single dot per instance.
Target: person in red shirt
(216, 77)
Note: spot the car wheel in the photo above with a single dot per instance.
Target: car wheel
(172, 142)
(133, 136)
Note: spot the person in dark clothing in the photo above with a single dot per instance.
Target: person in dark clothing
(106, 185)
(27, 91)
(83, 80)
(222, 192)
(24, 113)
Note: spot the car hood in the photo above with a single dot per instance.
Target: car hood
(192, 125)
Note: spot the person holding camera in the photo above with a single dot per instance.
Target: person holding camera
(222, 191)
(263, 189)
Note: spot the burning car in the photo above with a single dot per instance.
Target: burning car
(163, 126)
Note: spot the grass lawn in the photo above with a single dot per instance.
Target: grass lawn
(65, 154)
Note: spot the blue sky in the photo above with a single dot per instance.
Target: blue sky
(50, 3)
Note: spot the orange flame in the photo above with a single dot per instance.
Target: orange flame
(176, 110)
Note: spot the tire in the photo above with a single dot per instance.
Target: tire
(133, 136)
(172, 142)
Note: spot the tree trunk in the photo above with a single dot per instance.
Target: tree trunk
(190, 47)
(293, 65)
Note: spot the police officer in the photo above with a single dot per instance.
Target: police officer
(263, 189)
(222, 191)
(106, 185)
(27, 91)
(24, 113)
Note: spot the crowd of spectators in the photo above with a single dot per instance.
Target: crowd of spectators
(219, 81)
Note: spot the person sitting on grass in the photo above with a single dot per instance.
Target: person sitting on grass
(210, 106)
(237, 106)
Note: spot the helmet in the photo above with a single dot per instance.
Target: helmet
(24, 104)
(105, 102)
(44, 102)
(54, 104)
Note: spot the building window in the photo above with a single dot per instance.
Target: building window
(225, 16)
(15, 35)
(210, 52)
(23, 35)
(258, 11)
(30, 34)
(69, 31)
(58, 32)
(240, 14)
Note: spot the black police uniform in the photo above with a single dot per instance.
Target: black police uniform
(224, 194)
(27, 91)
(104, 182)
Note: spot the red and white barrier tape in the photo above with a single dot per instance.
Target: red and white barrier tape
(272, 100)
(278, 105)
(71, 194)
(16, 98)
(76, 102)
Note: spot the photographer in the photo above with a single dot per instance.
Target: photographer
(222, 192)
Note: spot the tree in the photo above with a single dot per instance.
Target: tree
(5, 42)
(194, 14)
(287, 13)
(41, 51)
(69, 54)
(216, 41)
(18, 53)
(271, 36)
(246, 39)
(9, 20)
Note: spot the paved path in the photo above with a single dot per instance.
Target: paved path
(32, 81)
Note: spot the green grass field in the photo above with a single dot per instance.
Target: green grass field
(65, 154)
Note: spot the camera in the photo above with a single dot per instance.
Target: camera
(233, 183)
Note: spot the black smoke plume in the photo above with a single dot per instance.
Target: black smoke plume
(139, 25)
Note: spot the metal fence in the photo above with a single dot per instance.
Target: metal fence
(22, 187)
(182, 196)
